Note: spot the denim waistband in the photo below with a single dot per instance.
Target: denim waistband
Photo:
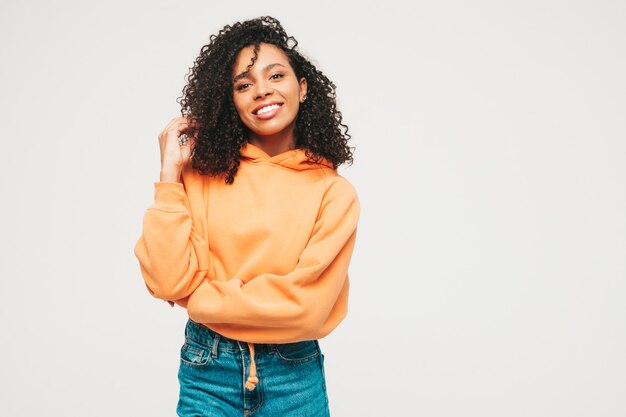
(202, 334)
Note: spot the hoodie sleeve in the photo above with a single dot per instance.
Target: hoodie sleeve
(299, 302)
(172, 253)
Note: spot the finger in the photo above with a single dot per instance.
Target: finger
(186, 144)
(192, 121)
(175, 131)
(185, 153)
(181, 131)
(171, 123)
(175, 122)
(179, 126)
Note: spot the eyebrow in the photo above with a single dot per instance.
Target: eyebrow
(267, 68)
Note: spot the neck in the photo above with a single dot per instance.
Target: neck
(274, 144)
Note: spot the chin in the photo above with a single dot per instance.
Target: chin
(268, 131)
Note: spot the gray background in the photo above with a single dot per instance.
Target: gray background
(489, 276)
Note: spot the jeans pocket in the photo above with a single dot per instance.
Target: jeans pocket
(194, 354)
(298, 352)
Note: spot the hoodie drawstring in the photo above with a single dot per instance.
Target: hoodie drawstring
(252, 378)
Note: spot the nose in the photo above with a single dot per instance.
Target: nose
(262, 90)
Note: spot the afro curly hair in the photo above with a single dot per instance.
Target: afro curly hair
(208, 100)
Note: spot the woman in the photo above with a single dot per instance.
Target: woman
(252, 228)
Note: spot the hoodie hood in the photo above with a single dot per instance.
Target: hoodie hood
(295, 158)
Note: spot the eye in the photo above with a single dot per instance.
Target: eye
(242, 86)
(276, 76)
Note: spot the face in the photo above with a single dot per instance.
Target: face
(268, 97)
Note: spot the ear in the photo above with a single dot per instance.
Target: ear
(303, 90)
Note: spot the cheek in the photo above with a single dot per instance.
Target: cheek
(295, 113)
(296, 106)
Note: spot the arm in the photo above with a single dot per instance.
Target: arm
(301, 300)
(172, 253)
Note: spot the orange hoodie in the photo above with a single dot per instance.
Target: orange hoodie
(263, 260)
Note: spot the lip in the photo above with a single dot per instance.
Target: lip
(260, 106)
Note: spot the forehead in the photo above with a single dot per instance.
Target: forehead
(268, 54)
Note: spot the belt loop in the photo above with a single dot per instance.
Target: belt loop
(216, 341)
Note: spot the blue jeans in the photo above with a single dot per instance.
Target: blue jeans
(213, 370)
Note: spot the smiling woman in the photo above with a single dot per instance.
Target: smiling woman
(216, 81)
(268, 96)
(252, 228)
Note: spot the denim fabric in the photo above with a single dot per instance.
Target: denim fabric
(213, 370)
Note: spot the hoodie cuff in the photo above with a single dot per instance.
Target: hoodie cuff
(169, 196)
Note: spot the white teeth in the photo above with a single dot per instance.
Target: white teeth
(268, 108)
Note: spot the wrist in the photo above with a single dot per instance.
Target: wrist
(170, 175)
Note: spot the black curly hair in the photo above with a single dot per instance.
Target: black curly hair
(208, 99)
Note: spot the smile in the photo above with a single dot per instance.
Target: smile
(268, 112)
(267, 109)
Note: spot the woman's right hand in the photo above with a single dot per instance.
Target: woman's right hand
(174, 156)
